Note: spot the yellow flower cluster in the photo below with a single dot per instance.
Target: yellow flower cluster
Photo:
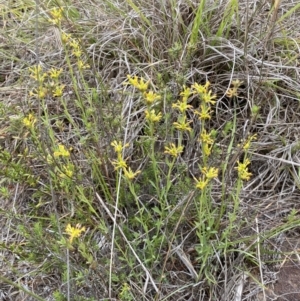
(247, 143)
(150, 97)
(56, 15)
(182, 124)
(152, 116)
(207, 99)
(74, 232)
(208, 175)
(63, 168)
(120, 163)
(29, 121)
(45, 87)
(173, 150)
(206, 142)
(67, 171)
(243, 171)
(61, 152)
(76, 49)
(138, 83)
(37, 73)
(233, 92)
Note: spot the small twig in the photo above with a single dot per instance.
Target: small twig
(259, 260)
(275, 7)
(126, 240)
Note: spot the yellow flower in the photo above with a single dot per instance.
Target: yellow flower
(65, 37)
(74, 44)
(204, 112)
(37, 74)
(210, 173)
(232, 92)
(39, 93)
(49, 159)
(152, 116)
(117, 146)
(246, 144)
(129, 174)
(236, 83)
(201, 183)
(206, 138)
(140, 84)
(173, 150)
(81, 65)
(74, 232)
(55, 73)
(208, 98)
(68, 171)
(29, 121)
(182, 124)
(186, 93)
(77, 52)
(62, 151)
(206, 149)
(242, 169)
(56, 14)
(181, 105)
(151, 97)
(120, 163)
(125, 292)
(201, 89)
(58, 91)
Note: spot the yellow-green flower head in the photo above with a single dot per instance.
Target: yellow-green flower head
(56, 15)
(151, 97)
(37, 74)
(200, 89)
(201, 183)
(58, 90)
(120, 163)
(210, 173)
(206, 148)
(81, 65)
(204, 112)
(61, 152)
(118, 146)
(236, 83)
(55, 73)
(129, 174)
(181, 105)
(246, 144)
(186, 93)
(68, 171)
(77, 52)
(140, 84)
(74, 44)
(232, 92)
(182, 125)
(152, 116)
(208, 98)
(173, 150)
(29, 121)
(242, 169)
(74, 232)
(39, 93)
(206, 138)
(66, 38)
